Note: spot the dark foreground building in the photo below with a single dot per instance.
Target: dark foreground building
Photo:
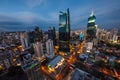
(14, 73)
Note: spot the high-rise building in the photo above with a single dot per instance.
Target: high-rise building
(6, 60)
(102, 35)
(50, 48)
(24, 39)
(32, 69)
(64, 31)
(81, 36)
(31, 37)
(38, 36)
(52, 34)
(91, 28)
(38, 49)
(113, 35)
(118, 39)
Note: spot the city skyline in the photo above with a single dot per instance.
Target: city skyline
(24, 15)
(70, 44)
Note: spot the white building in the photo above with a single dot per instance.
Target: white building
(113, 35)
(89, 46)
(38, 49)
(103, 35)
(50, 48)
(24, 40)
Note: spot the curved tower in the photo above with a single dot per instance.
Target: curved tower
(91, 28)
(64, 31)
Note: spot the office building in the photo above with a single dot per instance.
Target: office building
(50, 48)
(89, 46)
(38, 35)
(118, 40)
(6, 60)
(24, 39)
(81, 36)
(103, 35)
(91, 28)
(52, 34)
(31, 36)
(56, 63)
(82, 75)
(113, 35)
(38, 50)
(64, 31)
(33, 70)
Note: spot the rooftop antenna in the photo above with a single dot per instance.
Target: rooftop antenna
(92, 13)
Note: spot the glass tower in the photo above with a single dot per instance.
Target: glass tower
(64, 31)
(91, 28)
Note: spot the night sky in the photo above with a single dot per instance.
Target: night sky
(25, 14)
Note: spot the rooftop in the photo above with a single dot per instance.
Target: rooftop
(54, 62)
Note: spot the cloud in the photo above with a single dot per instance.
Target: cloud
(35, 3)
(54, 15)
(21, 20)
(3, 29)
(5, 17)
(79, 14)
(26, 17)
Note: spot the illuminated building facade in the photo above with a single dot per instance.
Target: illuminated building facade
(81, 36)
(64, 31)
(113, 35)
(24, 39)
(91, 28)
(56, 63)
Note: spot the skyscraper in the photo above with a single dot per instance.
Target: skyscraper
(81, 37)
(24, 40)
(38, 36)
(52, 34)
(38, 49)
(113, 35)
(91, 28)
(31, 37)
(64, 31)
(50, 48)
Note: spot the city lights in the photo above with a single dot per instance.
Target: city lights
(54, 40)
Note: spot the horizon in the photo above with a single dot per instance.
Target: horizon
(23, 15)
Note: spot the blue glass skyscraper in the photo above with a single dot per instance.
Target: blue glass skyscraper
(64, 31)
